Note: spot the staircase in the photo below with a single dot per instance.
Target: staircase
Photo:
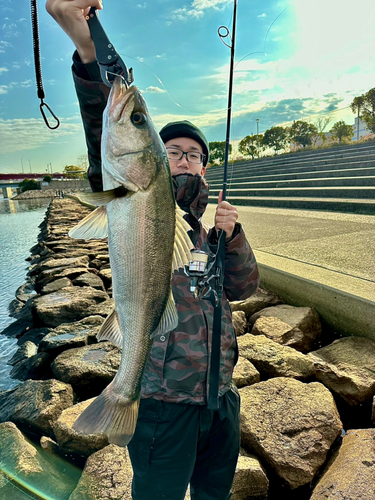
(340, 179)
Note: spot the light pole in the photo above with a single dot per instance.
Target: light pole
(257, 126)
(22, 166)
(29, 165)
(258, 136)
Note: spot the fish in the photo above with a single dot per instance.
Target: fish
(147, 240)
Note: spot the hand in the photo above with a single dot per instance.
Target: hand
(71, 16)
(225, 217)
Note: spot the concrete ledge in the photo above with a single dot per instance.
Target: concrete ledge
(344, 312)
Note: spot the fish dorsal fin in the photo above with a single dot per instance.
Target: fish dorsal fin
(92, 227)
(182, 242)
(169, 319)
(207, 226)
(103, 197)
(110, 330)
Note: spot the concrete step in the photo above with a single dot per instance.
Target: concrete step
(363, 181)
(358, 206)
(331, 192)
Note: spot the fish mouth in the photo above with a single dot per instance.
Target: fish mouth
(120, 96)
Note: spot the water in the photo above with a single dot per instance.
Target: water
(19, 221)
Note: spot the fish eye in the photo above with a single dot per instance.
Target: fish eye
(138, 118)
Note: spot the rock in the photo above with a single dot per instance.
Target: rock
(25, 292)
(35, 405)
(280, 332)
(72, 335)
(60, 263)
(24, 352)
(36, 367)
(23, 461)
(250, 479)
(304, 318)
(71, 441)
(17, 328)
(273, 360)
(290, 425)
(60, 272)
(56, 285)
(106, 276)
(49, 446)
(107, 476)
(89, 279)
(245, 373)
(347, 367)
(35, 335)
(68, 305)
(15, 307)
(259, 300)
(88, 369)
(350, 473)
(239, 322)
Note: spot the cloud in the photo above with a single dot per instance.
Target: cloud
(197, 8)
(262, 15)
(3, 70)
(142, 6)
(154, 90)
(4, 89)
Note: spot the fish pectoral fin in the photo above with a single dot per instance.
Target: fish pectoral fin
(92, 227)
(110, 330)
(169, 319)
(111, 415)
(182, 242)
(103, 197)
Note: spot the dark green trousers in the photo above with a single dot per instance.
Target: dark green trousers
(177, 443)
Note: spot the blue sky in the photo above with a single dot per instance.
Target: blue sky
(315, 58)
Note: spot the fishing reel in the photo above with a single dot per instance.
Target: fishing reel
(204, 277)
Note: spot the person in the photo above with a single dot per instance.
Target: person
(178, 440)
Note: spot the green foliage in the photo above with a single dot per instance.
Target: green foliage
(47, 178)
(28, 185)
(276, 138)
(302, 133)
(251, 145)
(364, 105)
(73, 172)
(341, 131)
(217, 151)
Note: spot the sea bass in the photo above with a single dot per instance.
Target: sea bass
(147, 239)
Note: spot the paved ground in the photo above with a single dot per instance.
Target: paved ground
(332, 248)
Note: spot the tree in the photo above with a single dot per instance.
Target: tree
(251, 145)
(73, 172)
(47, 178)
(321, 124)
(217, 151)
(301, 133)
(276, 137)
(364, 106)
(28, 185)
(341, 131)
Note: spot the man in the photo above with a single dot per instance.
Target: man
(178, 439)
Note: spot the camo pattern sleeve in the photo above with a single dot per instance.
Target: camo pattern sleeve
(92, 98)
(241, 276)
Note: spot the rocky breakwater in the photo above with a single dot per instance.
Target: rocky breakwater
(306, 417)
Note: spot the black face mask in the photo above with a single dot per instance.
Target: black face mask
(191, 193)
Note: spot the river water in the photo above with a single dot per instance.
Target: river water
(19, 221)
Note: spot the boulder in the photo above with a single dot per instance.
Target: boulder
(24, 352)
(350, 473)
(107, 476)
(106, 276)
(20, 459)
(259, 300)
(89, 279)
(17, 328)
(239, 322)
(280, 332)
(273, 360)
(56, 285)
(290, 425)
(60, 263)
(68, 305)
(60, 272)
(305, 319)
(72, 442)
(88, 369)
(35, 368)
(347, 367)
(35, 335)
(250, 479)
(72, 335)
(245, 373)
(35, 405)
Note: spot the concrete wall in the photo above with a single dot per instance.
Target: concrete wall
(73, 184)
(7, 192)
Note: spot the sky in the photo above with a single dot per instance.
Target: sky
(294, 60)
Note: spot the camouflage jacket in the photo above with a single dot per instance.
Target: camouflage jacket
(180, 359)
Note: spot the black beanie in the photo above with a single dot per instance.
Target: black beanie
(185, 129)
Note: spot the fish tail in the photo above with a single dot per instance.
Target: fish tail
(110, 414)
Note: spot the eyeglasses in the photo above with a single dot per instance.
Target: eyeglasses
(175, 154)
